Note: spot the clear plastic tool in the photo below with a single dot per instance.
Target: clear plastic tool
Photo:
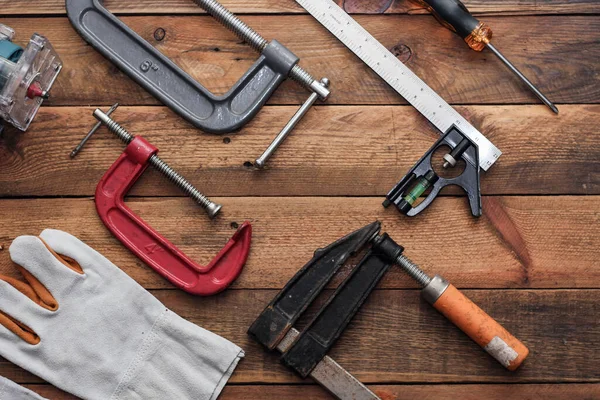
(26, 76)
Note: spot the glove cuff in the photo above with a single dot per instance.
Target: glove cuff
(12, 391)
(178, 359)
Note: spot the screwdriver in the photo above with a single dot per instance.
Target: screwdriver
(455, 16)
(462, 312)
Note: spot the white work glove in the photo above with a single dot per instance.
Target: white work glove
(11, 391)
(100, 335)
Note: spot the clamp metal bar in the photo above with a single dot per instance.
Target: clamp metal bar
(331, 375)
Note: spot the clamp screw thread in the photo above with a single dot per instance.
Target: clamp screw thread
(254, 39)
(212, 209)
(179, 181)
(301, 76)
(233, 23)
(413, 270)
(118, 130)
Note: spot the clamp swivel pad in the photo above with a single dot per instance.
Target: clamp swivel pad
(422, 176)
(151, 247)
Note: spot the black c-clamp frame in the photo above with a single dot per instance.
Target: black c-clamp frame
(175, 88)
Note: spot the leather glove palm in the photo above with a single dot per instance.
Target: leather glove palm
(86, 327)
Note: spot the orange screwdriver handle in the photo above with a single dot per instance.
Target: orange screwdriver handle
(455, 16)
(479, 326)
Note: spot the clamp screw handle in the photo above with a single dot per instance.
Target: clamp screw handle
(87, 137)
(459, 310)
(287, 129)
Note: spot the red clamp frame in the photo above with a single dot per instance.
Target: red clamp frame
(152, 248)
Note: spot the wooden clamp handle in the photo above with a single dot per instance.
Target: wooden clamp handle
(483, 329)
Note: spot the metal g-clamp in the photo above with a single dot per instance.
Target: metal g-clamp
(179, 91)
(147, 244)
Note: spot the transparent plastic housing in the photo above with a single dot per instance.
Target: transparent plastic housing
(39, 65)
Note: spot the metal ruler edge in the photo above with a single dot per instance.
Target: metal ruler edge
(397, 75)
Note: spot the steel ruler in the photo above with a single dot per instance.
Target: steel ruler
(398, 75)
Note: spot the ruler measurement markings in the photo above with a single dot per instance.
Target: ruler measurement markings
(387, 66)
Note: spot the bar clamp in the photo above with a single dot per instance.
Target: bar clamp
(306, 352)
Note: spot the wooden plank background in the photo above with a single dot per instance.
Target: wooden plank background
(531, 261)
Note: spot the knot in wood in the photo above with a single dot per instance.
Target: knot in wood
(402, 52)
(159, 34)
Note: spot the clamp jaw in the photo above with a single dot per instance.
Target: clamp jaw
(306, 352)
(284, 310)
(422, 176)
(158, 75)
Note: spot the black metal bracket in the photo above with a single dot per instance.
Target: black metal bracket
(423, 169)
(283, 311)
(324, 330)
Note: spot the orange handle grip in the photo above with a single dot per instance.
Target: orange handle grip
(482, 328)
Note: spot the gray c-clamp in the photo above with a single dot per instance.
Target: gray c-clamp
(179, 91)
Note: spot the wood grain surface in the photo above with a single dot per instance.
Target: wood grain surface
(217, 58)
(488, 7)
(426, 349)
(388, 392)
(335, 151)
(520, 242)
(531, 261)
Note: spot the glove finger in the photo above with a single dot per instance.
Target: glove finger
(18, 313)
(54, 273)
(33, 289)
(68, 245)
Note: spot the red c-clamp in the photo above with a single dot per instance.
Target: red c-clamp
(147, 244)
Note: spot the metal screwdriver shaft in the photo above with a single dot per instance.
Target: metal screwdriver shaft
(454, 15)
(211, 208)
(530, 85)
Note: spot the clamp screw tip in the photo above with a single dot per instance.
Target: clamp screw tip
(213, 209)
(259, 163)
